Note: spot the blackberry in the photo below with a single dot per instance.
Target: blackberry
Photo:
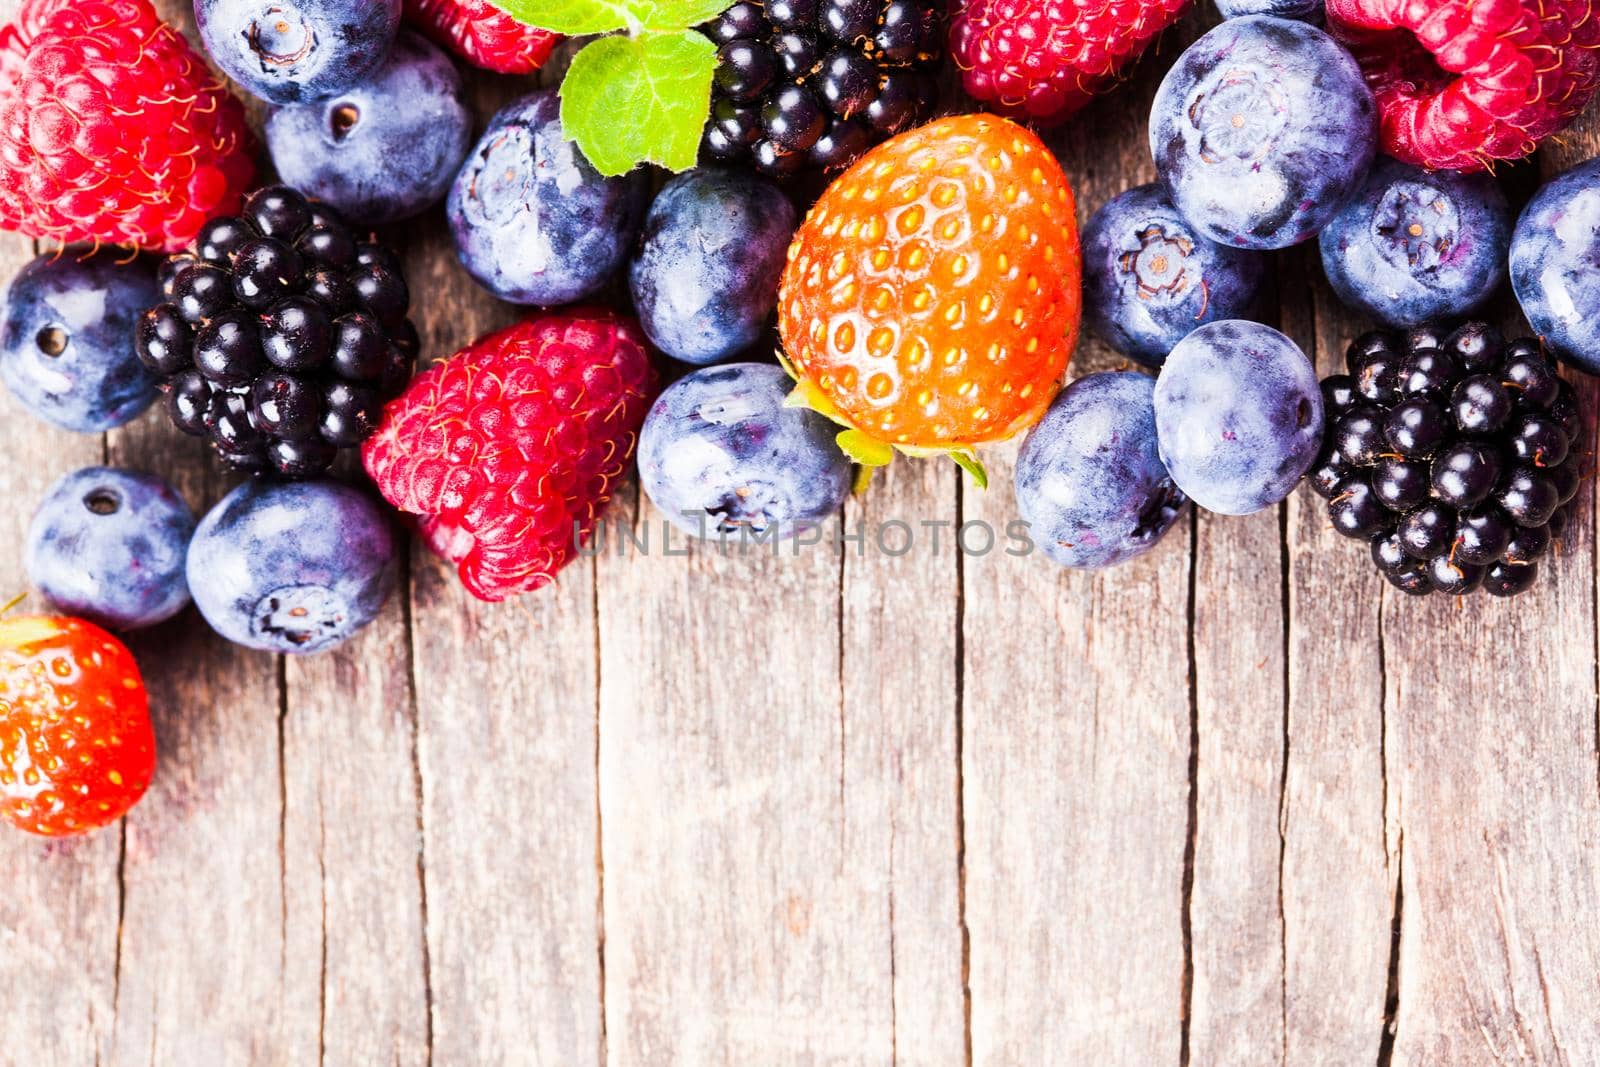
(1451, 452)
(282, 336)
(812, 84)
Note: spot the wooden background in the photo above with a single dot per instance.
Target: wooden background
(1236, 803)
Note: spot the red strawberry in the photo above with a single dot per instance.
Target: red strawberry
(1462, 83)
(482, 34)
(112, 129)
(1045, 59)
(76, 747)
(510, 449)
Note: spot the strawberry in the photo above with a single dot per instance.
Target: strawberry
(1045, 59)
(931, 300)
(76, 747)
(510, 449)
(112, 129)
(1464, 83)
(482, 34)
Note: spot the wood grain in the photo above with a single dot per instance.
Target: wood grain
(59, 911)
(1338, 880)
(506, 762)
(1493, 780)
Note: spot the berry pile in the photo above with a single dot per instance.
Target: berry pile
(282, 336)
(1452, 454)
(815, 83)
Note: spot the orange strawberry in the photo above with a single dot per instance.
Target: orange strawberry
(932, 297)
(76, 747)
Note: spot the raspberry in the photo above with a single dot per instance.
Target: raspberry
(112, 129)
(1463, 83)
(931, 300)
(510, 449)
(1045, 59)
(482, 34)
(812, 84)
(282, 335)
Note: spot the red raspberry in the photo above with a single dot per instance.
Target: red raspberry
(1462, 83)
(112, 129)
(482, 34)
(510, 449)
(1045, 59)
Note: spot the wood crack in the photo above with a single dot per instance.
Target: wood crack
(1283, 782)
(894, 993)
(599, 825)
(961, 806)
(407, 584)
(322, 977)
(1391, 994)
(283, 820)
(1186, 918)
(122, 910)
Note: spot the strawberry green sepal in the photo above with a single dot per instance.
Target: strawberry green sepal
(868, 451)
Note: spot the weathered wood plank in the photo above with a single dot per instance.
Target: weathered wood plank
(60, 909)
(1337, 879)
(204, 923)
(506, 757)
(901, 773)
(741, 925)
(1492, 772)
(1076, 737)
(1235, 917)
(1077, 742)
(355, 980)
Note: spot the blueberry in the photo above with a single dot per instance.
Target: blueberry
(289, 51)
(1089, 479)
(109, 546)
(1554, 249)
(293, 567)
(1262, 131)
(384, 149)
(705, 280)
(1150, 278)
(1304, 10)
(533, 221)
(719, 453)
(1418, 245)
(67, 339)
(1239, 414)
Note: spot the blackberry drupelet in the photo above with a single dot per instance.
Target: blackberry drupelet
(1453, 454)
(813, 84)
(282, 336)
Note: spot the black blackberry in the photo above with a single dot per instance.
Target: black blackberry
(282, 336)
(812, 84)
(1451, 453)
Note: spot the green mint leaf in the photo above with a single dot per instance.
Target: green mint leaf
(632, 100)
(571, 17)
(576, 17)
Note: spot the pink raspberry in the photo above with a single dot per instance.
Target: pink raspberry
(1045, 59)
(510, 449)
(112, 129)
